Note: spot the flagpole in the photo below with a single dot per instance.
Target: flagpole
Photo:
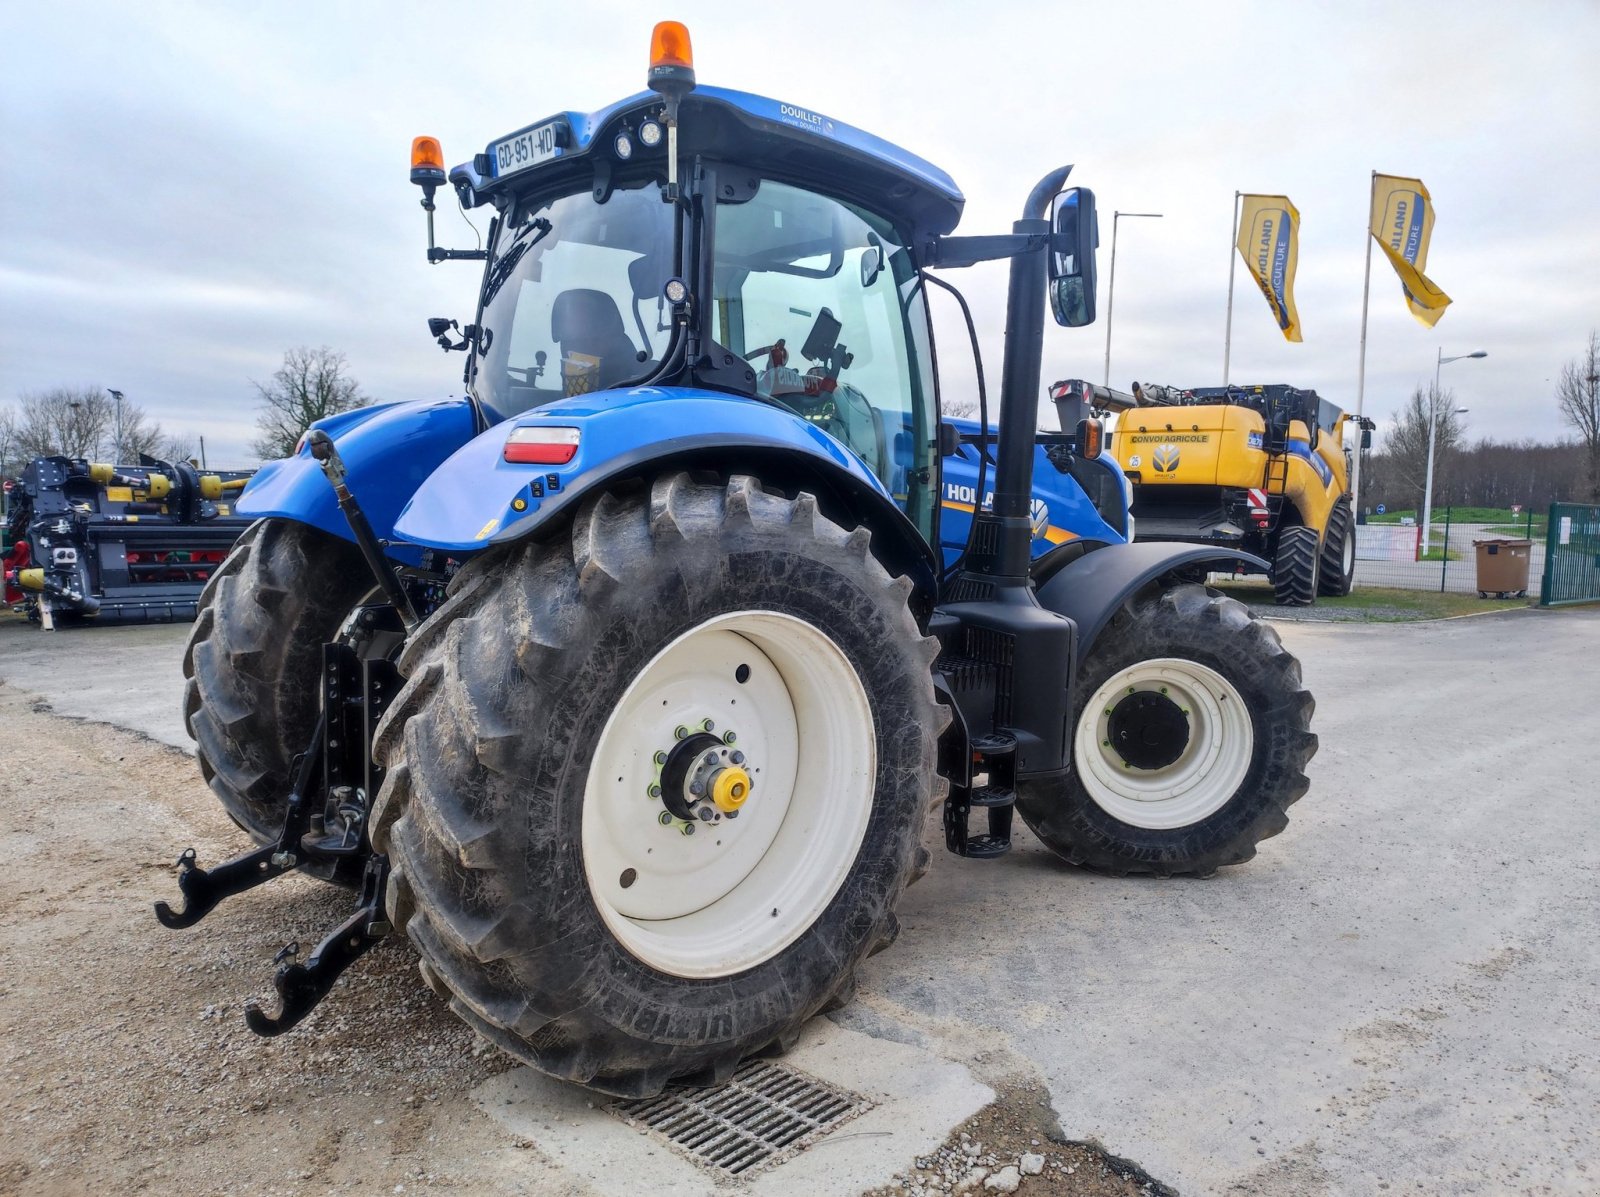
(1227, 336)
(1361, 371)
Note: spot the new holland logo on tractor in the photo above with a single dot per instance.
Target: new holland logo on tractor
(1166, 458)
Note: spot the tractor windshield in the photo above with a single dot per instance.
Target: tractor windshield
(572, 297)
(827, 306)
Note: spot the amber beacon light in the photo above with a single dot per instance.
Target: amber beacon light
(670, 48)
(427, 161)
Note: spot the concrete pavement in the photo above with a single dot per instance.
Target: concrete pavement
(1401, 993)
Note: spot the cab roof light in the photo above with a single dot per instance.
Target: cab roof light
(427, 161)
(669, 46)
(541, 445)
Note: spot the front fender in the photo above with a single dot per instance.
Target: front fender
(1091, 589)
(389, 451)
(477, 499)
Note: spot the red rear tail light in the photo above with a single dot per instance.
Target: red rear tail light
(541, 446)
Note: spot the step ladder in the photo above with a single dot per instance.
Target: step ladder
(995, 758)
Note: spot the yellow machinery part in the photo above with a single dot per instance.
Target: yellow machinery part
(730, 788)
(30, 579)
(160, 486)
(101, 473)
(119, 494)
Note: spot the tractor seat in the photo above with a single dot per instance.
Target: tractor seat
(588, 327)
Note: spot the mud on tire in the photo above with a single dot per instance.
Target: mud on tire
(1192, 624)
(490, 746)
(253, 660)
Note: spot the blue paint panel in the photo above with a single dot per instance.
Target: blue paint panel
(388, 450)
(470, 502)
(1058, 501)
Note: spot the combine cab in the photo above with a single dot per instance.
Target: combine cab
(124, 543)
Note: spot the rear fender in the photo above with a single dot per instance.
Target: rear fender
(1091, 589)
(388, 452)
(477, 499)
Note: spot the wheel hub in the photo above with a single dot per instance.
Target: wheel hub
(1148, 729)
(703, 777)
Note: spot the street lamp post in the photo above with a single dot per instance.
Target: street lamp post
(1433, 428)
(1111, 283)
(116, 453)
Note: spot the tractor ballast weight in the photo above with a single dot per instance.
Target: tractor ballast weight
(123, 543)
(699, 641)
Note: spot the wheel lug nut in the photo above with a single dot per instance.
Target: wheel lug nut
(681, 732)
(737, 758)
(697, 788)
(729, 738)
(688, 829)
(711, 758)
(706, 814)
(710, 726)
(661, 758)
(664, 818)
(655, 791)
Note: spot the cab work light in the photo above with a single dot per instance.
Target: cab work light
(541, 446)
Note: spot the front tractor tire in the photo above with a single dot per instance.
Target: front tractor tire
(1191, 738)
(252, 667)
(655, 788)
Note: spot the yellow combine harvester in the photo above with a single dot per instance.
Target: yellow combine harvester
(1261, 468)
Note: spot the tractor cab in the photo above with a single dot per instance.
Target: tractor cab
(782, 268)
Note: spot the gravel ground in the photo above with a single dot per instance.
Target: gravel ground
(125, 1066)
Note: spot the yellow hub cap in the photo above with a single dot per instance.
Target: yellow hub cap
(730, 788)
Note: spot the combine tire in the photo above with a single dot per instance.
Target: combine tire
(1338, 571)
(654, 790)
(1294, 569)
(253, 662)
(1191, 737)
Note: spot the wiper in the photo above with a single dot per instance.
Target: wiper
(507, 262)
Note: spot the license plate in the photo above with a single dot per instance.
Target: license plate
(524, 150)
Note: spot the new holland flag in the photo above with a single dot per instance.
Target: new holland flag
(1402, 222)
(1269, 242)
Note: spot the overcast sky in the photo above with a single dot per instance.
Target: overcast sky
(189, 189)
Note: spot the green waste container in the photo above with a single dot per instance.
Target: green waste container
(1503, 567)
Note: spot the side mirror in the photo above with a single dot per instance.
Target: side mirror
(1075, 235)
(439, 325)
(949, 440)
(1366, 438)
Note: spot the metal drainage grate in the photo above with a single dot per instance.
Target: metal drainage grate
(765, 1111)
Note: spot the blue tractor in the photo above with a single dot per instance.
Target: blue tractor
(624, 685)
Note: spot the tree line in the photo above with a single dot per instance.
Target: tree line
(1486, 473)
(81, 421)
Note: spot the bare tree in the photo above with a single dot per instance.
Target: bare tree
(310, 385)
(177, 446)
(1406, 441)
(10, 451)
(1578, 396)
(71, 421)
(140, 434)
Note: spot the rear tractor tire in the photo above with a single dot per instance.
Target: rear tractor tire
(654, 790)
(1294, 567)
(1337, 574)
(254, 658)
(1191, 738)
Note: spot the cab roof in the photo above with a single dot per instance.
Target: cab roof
(777, 139)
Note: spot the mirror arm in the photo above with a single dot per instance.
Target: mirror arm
(969, 251)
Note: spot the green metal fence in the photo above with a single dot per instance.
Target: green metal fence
(1571, 556)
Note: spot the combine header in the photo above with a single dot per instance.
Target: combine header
(124, 543)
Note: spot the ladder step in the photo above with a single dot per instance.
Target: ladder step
(997, 744)
(987, 847)
(992, 796)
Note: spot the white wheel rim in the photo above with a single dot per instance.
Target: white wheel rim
(1349, 554)
(737, 891)
(1205, 775)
